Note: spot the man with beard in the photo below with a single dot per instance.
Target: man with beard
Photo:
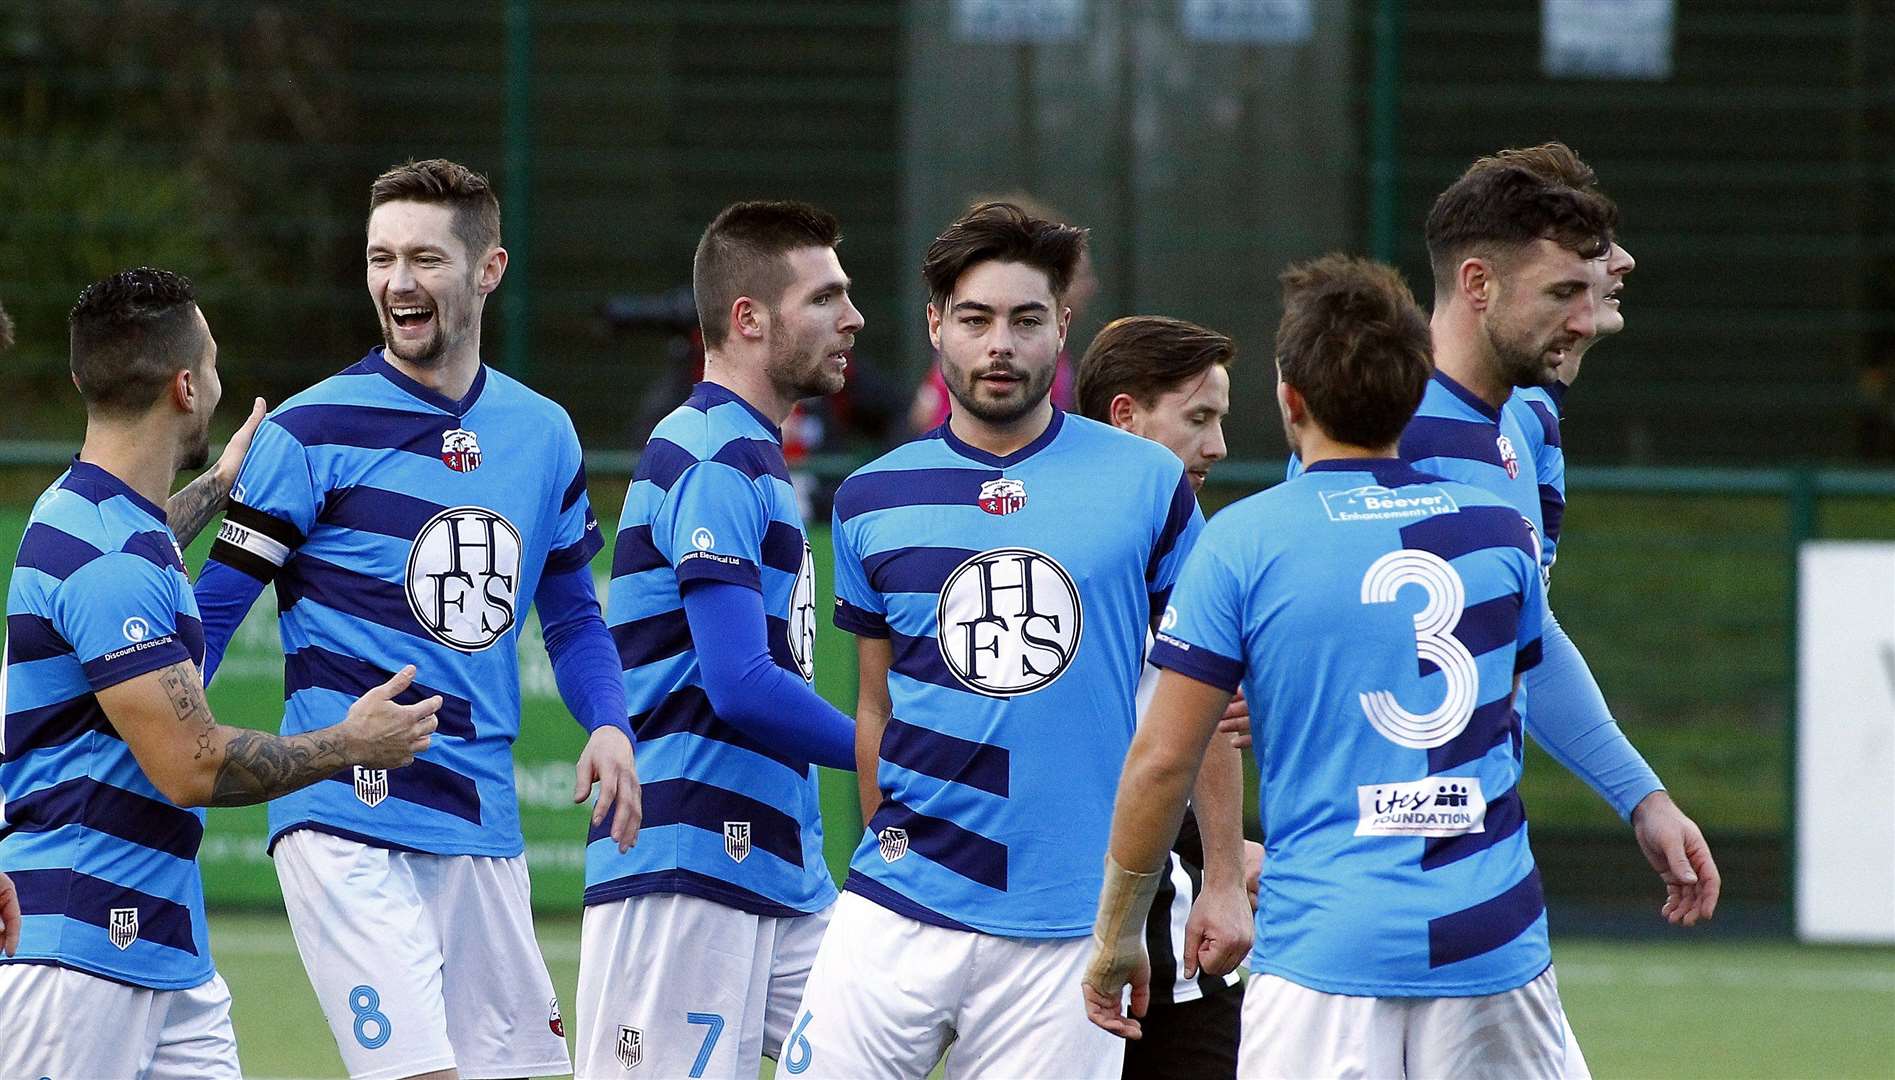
(1519, 259)
(108, 749)
(1378, 618)
(713, 608)
(1000, 574)
(410, 508)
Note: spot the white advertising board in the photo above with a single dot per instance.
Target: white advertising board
(1845, 771)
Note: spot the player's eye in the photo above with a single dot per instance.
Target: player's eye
(821, 299)
(1030, 320)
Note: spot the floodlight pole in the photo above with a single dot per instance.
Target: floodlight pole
(516, 304)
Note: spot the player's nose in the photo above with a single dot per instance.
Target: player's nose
(852, 320)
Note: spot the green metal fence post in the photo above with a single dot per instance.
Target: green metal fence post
(1801, 524)
(516, 305)
(1384, 104)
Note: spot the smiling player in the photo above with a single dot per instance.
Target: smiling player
(412, 508)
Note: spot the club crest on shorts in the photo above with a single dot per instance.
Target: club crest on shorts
(1508, 457)
(460, 450)
(631, 1047)
(737, 840)
(1002, 496)
(893, 842)
(371, 786)
(554, 1020)
(122, 927)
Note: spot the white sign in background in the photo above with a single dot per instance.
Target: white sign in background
(1607, 39)
(1845, 743)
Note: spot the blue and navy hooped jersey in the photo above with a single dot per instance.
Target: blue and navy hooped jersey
(401, 527)
(1457, 436)
(105, 865)
(1538, 408)
(727, 818)
(1376, 618)
(1016, 593)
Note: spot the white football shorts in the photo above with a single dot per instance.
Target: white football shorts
(422, 962)
(1291, 1031)
(58, 1022)
(889, 995)
(674, 985)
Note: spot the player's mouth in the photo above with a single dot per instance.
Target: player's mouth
(1000, 380)
(841, 357)
(1198, 476)
(411, 319)
(1612, 297)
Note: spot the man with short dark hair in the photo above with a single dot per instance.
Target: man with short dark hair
(1000, 574)
(108, 749)
(1399, 932)
(697, 942)
(1517, 257)
(414, 506)
(1168, 380)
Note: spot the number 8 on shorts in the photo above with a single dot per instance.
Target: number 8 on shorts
(366, 1004)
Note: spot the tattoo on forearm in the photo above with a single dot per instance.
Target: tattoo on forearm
(259, 766)
(192, 508)
(182, 687)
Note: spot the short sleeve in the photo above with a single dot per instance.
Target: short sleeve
(576, 534)
(860, 609)
(1182, 522)
(272, 507)
(1201, 633)
(711, 527)
(119, 613)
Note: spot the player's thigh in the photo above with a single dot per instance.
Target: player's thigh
(196, 1041)
(58, 1022)
(370, 946)
(670, 985)
(1291, 1032)
(796, 942)
(502, 1013)
(879, 997)
(1191, 1040)
(1024, 1014)
(1516, 1035)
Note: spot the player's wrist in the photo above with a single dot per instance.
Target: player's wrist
(1124, 901)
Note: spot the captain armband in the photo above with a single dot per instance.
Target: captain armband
(255, 542)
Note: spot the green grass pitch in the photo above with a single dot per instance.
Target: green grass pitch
(1676, 1008)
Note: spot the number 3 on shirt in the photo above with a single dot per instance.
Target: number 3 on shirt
(1434, 642)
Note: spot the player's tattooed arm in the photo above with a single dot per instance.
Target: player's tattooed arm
(204, 498)
(218, 765)
(193, 507)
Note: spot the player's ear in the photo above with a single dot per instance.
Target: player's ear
(1475, 280)
(1065, 323)
(934, 326)
(492, 268)
(1122, 412)
(747, 319)
(1295, 409)
(182, 390)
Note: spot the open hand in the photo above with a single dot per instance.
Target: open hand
(607, 761)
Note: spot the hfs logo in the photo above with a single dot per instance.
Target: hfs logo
(464, 577)
(1009, 621)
